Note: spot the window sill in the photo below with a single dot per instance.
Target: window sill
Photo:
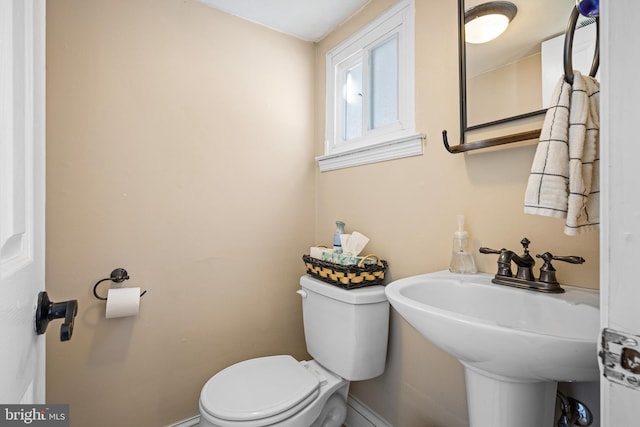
(394, 149)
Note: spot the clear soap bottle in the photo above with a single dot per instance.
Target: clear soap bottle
(461, 258)
(337, 243)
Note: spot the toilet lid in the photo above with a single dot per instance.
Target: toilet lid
(258, 388)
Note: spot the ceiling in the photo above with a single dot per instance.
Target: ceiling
(312, 20)
(309, 20)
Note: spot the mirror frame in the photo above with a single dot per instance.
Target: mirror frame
(507, 139)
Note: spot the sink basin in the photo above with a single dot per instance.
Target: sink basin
(514, 344)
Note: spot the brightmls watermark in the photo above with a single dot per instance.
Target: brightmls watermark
(34, 415)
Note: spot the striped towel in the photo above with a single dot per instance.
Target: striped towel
(564, 180)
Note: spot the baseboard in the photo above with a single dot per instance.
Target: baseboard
(360, 415)
(189, 422)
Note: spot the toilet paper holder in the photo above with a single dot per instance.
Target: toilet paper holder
(118, 275)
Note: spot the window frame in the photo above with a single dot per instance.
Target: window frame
(395, 140)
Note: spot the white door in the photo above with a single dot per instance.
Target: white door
(620, 231)
(22, 194)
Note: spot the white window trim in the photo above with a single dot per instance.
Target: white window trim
(391, 142)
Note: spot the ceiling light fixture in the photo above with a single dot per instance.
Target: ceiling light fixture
(487, 21)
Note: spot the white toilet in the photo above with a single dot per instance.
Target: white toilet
(346, 333)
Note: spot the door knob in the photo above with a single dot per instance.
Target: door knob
(47, 311)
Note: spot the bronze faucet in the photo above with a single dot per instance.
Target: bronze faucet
(524, 277)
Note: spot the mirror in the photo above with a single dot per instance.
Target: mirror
(510, 78)
(503, 76)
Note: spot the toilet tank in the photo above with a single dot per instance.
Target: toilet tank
(346, 330)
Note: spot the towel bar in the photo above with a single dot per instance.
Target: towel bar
(568, 47)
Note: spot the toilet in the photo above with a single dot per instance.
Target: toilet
(346, 333)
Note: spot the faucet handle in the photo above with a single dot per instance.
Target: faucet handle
(572, 259)
(484, 250)
(547, 272)
(504, 260)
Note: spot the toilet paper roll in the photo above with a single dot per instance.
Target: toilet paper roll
(122, 302)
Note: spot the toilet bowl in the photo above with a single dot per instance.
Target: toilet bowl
(274, 390)
(346, 333)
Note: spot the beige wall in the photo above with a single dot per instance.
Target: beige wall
(408, 209)
(179, 147)
(508, 91)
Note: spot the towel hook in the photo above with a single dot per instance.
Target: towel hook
(118, 275)
(568, 47)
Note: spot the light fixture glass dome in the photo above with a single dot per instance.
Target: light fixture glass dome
(487, 21)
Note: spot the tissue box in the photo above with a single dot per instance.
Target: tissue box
(369, 271)
(347, 259)
(318, 251)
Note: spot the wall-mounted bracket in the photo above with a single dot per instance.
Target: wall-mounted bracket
(118, 275)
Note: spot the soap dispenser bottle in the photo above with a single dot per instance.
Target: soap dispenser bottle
(461, 259)
(337, 243)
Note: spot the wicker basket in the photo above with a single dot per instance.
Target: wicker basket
(347, 276)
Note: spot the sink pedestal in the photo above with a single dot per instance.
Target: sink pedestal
(501, 402)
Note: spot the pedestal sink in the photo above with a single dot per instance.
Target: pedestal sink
(515, 345)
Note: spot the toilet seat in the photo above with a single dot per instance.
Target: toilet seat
(252, 391)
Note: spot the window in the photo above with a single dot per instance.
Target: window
(370, 113)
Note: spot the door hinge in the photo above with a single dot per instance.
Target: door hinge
(620, 358)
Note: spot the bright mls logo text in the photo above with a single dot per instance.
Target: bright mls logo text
(36, 415)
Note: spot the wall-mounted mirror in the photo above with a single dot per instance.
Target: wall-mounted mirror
(509, 78)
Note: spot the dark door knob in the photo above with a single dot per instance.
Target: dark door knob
(47, 310)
